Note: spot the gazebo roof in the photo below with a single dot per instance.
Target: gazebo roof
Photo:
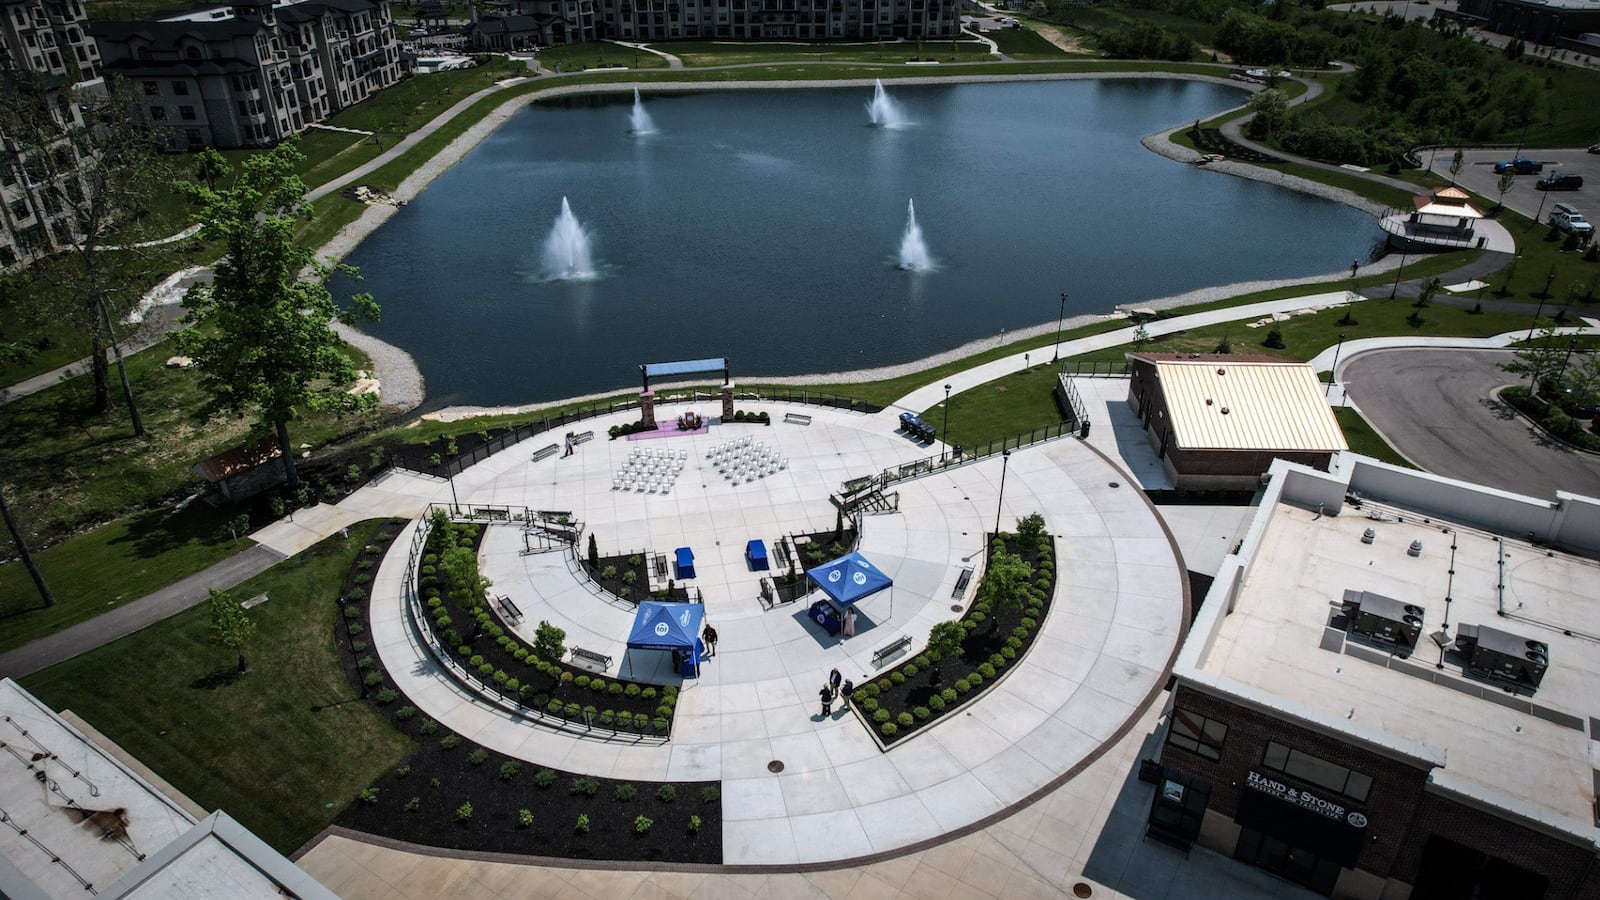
(1450, 201)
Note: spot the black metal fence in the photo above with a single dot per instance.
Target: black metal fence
(1108, 368)
(930, 465)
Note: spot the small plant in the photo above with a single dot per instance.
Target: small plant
(478, 756)
(402, 772)
(667, 793)
(544, 778)
(624, 793)
(412, 805)
(387, 696)
(464, 811)
(922, 713)
(608, 573)
(631, 690)
(525, 818)
(582, 825)
(369, 796)
(372, 679)
(433, 783)
(881, 715)
(584, 786)
(935, 703)
(710, 795)
(427, 727)
(694, 824)
(641, 824)
(888, 729)
(906, 719)
(509, 770)
(449, 742)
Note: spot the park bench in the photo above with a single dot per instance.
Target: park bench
(797, 418)
(961, 583)
(583, 437)
(894, 647)
(509, 609)
(588, 659)
(546, 452)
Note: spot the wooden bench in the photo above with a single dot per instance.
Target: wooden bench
(588, 659)
(797, 418)
(894, 647)
(546, 452)
(509, 609)
(961, 584)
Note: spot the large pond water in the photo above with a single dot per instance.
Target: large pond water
(765, 226)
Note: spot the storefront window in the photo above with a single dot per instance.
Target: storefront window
(1316, 771)
(1196, 733)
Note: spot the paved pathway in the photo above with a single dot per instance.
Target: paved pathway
(1101, 653)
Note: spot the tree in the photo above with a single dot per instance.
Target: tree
(209, 164)
(93, 168)
(268, 347)
(1538, 358)
(1271, 108)
(1425, 295)
(1456, 162)
(944, 641)
(1002, 585)
(548, 642)
(1507, 179)
(20, 541)
(231, 626)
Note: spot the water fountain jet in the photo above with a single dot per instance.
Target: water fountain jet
(913, 250)
(639, 119)
(567, 254)
(884, 112)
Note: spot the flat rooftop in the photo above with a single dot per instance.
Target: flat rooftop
(1527, 753)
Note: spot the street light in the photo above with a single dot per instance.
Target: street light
(1396, 286)
(1547, 279)
(946, 423)
(1334, 375)
(1005, 461)
(1535, 324)
(1060, 316)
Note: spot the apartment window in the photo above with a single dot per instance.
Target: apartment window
(1316, 771)
(158, 113)
(180, 88)
(1196, 733)
(20, 211)
(151, 89)
(186, 113)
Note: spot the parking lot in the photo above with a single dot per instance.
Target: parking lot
(1477, 174)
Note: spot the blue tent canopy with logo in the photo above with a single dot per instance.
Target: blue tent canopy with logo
(668, 626)
(850, 578)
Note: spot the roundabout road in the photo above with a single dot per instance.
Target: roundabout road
(1434, 407)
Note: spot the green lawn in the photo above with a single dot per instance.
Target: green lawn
(1542, 260)
(1005, 406)
(711, 53)
(1364, 440)
(282, 748)
(105, 567)
(604, 54)
(1024, 43)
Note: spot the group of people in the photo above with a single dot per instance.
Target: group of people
(837, 686)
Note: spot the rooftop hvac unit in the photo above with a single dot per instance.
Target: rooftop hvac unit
(1503, 656)
(1384, 619)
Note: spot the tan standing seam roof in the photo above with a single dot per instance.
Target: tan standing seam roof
(1270, 406)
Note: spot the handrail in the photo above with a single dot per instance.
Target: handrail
(934, 464)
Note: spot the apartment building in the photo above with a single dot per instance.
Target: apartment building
(253, 73)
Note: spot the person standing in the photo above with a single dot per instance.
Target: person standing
(850, 622)
(845, 690)
(710, 637)
(826, 694)
(833, 680)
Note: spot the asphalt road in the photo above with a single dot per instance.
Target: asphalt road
(1434, 407)
(1477, 174)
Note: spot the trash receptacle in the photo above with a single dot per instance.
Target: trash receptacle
(1083, 430)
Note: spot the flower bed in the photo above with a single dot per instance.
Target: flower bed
(452, 592)
(996, 631)
(627, 576)
(453, 794)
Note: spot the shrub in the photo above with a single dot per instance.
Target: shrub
(881, 715)
(631, 690)
(475, 660)
(936, 703)
(449, 742)
(509, 770)
(897, 676)
(710, 795)
(948, 695)
(402, 772)
(641, 824)
(1013, 643)
(364, 663)
(597, 685)
(664, 711)
(464, 811)
(582, 825)
(356, 594)
(387, 696)
(986, 670)
(624, 793)
(520, 654)
(869, 705)
(1029, 623)
(372, 679)
(525, 818)
(975, 679)
(609, 572)
(694, 824)
(1019, 632)
(667, 793)
(566, 677)
(500, 677)
(911, 670)
(614, 688)
(963, 685)
(648, 693)
(513, 686)
(922, 713)
(888, 729)
(584, 786)
(433, 783)
(428, 726)
(581, 681)
(486, 670)
(544, 778)
(906, 719)
(572, 710)
(357, 646)
(554, 707)
(1009, 652)
(659, 724)
(630, 577)
(884, 685)
(414, 804)
(369, 796)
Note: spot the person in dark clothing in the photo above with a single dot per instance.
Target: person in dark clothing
(826, 695)
(833, 680)
(710, 637)
(846, 689)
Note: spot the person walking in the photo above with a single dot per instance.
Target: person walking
(569, 446)
(710, 637)
(826, 694)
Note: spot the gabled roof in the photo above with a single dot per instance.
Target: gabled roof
(240, 459)
(1228, 402)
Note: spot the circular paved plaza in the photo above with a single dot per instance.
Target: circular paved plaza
(1099, 657)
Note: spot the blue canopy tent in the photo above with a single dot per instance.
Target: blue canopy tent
(668, 626)
(850, 578)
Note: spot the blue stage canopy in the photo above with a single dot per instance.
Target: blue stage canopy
(667, 626)
(648, 371)
(849, 578)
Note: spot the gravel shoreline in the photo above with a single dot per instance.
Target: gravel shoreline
(403, 387)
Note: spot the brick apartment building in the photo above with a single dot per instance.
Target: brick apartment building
(1311, 733)
(253, 73)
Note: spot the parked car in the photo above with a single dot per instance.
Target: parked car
(1566, 218)
(1521, 165)
(1560, 182)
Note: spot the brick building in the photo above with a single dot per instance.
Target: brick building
(1219, 420)
(1540, 21)
(254, 73)
(1316, 736)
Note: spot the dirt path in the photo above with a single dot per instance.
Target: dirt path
(1068, 42)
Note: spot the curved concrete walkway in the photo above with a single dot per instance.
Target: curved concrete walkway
(1100, 656)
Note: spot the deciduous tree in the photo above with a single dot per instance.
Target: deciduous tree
(231, 625)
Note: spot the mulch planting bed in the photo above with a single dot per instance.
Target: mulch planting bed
(921, 690)
(453, 794)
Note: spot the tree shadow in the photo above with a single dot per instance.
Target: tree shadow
(220, 678)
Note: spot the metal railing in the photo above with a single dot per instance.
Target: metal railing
(415, 616)
(1398, 222)
(1097, 368)
(1073, 410)
(930, 465)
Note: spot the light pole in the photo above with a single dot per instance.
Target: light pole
(1545, 294)
(946, 423)
(1535, 324)
(1059, 317)
(1005, 461)
(1543, 196)
(1334, 375)
(1396, 286)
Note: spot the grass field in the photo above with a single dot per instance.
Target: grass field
(709, 53)
(1363, 439)
(1024, 43)
(282, 748)
(604, 54)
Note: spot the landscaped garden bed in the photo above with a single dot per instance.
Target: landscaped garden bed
(452, 591)
(976, 650)
(627, 576)
(454, 794)
(819, 547)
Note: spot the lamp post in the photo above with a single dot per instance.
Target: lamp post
(1005, 461)
(1535, 324)
(1543, 196)
(1393, 289)
(1027, 363)
(1334, 374)
(946, 423)
(1059, 317)
(1545, 294)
